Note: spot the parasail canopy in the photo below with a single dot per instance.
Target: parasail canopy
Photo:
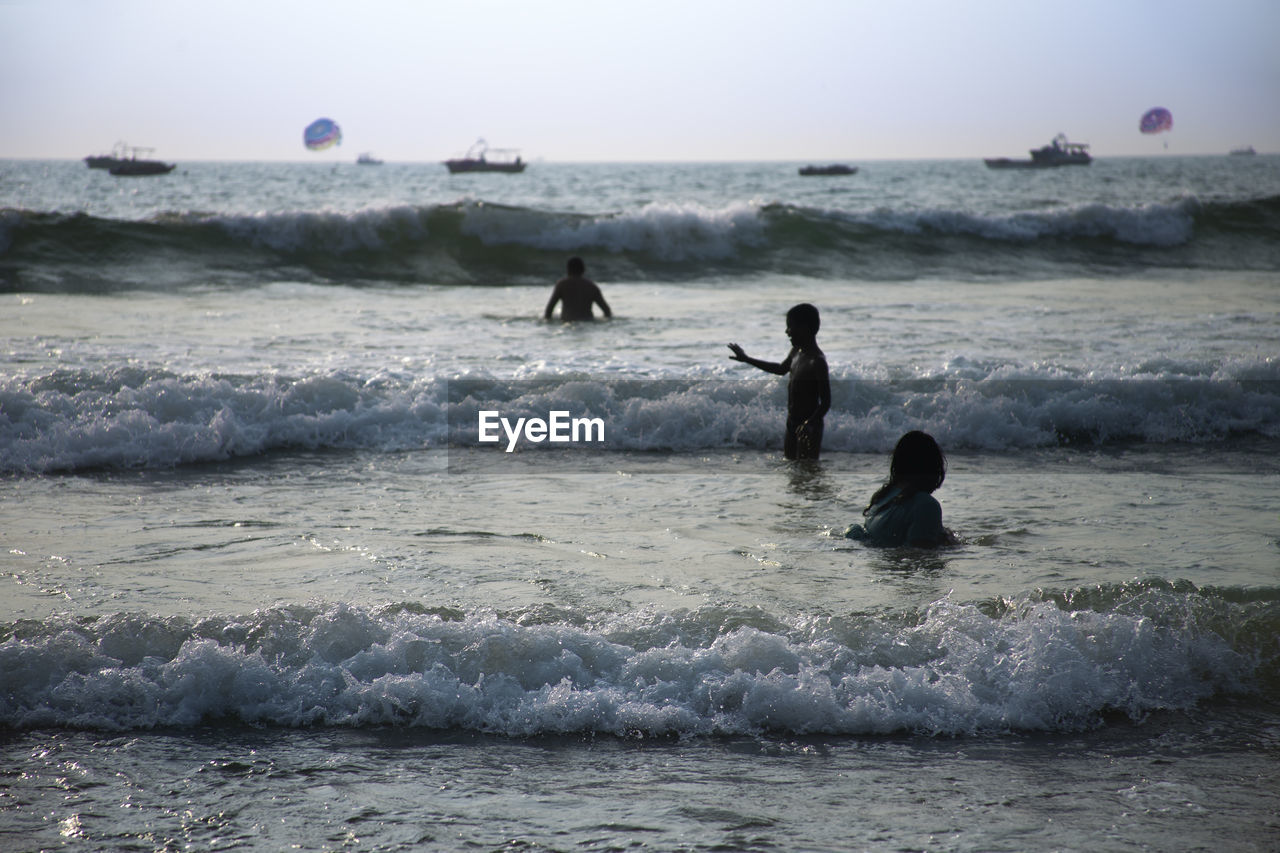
(1156, 120)
(321, 134)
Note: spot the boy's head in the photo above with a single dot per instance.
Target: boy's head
(576, 266)
(802, 321)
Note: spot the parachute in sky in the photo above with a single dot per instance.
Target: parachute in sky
(1156, 120)
(321, 134)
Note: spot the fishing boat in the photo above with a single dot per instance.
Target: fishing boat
(367, 159)
(477, 160)
(119, 153)
(134, 166)
(833, 169)
(1059, 152)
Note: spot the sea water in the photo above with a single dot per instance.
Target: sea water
(264, 587)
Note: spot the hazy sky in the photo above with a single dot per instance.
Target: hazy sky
(574, 80)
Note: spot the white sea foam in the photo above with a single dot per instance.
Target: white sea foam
(160, 420)
(165, 421)
(956, 670)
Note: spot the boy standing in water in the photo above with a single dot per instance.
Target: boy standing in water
(576, 293)
(808, 391)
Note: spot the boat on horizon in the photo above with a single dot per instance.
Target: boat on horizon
(119, 153)
(133, 166)
(367, 159)
(477, 160)
(1059, 152)
(1246, 151)
(137, 168)
(833, 169)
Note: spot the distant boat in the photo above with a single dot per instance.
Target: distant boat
(476, 160)
(136, 168)
(119, 153)
(132, 166)
(1059, 152)
(1246, 151)
(367, 159)
(833, 169)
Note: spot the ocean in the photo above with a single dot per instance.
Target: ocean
(265, 584)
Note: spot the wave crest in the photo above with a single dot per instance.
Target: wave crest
(134, 417)
(951, 669)
(480, 243)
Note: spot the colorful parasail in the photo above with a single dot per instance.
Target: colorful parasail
(1156, 120)
(321, 134)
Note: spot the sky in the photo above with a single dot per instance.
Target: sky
(637, 81)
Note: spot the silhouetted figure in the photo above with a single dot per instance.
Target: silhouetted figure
(903, 511)
(576, 293)
(808, 390)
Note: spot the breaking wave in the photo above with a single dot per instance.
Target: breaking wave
(133, 417)
(1055, 661)
(477, 243)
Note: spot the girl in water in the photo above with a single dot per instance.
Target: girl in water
(903, 511)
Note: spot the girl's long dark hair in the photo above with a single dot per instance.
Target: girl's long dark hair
(918, 465)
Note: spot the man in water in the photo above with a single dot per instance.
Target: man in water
(809, 389)
(577, 293)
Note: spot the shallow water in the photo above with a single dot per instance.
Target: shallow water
(629, 531)
(1151, 786)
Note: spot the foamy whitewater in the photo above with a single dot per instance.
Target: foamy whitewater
(265, 586)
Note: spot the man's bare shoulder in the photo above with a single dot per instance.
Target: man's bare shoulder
(576, 284)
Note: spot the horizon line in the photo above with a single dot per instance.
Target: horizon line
(549, 161)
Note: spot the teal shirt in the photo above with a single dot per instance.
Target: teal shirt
(895, 521)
